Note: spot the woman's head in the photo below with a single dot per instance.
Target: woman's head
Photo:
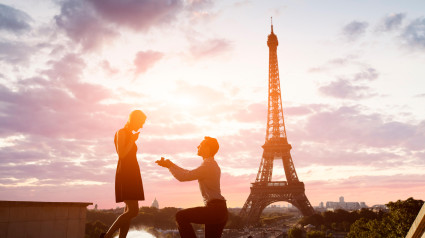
(136, 119)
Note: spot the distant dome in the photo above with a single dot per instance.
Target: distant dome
(155, 204)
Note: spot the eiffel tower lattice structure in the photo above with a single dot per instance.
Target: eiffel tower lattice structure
(264, 191)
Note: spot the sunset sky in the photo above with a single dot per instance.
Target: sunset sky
(353, 89)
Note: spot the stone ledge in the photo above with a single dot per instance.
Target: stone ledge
(38, 204)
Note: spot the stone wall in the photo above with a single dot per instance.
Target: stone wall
(42, 219)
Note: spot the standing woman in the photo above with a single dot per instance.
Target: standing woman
(128, 181)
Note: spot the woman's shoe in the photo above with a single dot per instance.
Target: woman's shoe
(102, 235)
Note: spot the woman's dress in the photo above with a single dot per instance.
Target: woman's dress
(128, 181)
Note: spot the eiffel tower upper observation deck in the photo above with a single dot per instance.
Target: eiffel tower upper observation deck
(264, 191)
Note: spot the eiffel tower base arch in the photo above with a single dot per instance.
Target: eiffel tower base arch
(263, 195)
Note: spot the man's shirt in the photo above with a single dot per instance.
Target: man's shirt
(208, 176)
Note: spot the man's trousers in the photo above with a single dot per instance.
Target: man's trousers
(214, 215)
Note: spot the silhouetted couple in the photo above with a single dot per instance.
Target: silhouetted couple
(129, 187)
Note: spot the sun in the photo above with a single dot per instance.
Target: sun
(184, 101)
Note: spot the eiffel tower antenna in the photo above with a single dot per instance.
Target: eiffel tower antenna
(271, 21)
(264, 191)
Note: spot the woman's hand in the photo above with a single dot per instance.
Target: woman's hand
(135, 136)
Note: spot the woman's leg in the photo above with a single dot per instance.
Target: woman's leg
(123, 221)
(125, 227)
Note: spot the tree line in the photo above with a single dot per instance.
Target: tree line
(393, 223)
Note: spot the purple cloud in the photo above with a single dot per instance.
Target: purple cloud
(351, 89)
(14, 52)
(348, 125)
(354, 30)
(138, 14)
(82, 25)
(199, 4)
(414, 34)
(368, 74)
(344, 89)
(392, 22)
(14, 20)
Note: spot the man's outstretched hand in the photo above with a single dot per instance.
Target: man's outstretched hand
(166, 163)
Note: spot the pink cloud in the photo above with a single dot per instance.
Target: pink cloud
(209, 48)
(256, 112)
(43, 100)
(145, 60)
(108, 68)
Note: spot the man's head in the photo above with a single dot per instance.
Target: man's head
(208, 147)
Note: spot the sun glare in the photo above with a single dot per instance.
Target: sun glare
(137, 234)
(184, 101)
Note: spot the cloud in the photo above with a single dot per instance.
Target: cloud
(333, 63)
(344, 89)
(242, 3)
(209, 48)
(108, 68)
(368, 74)
(199, 4)
(14, 20)
(82, 25)
(15, 52)
(354, 30)
(44, 98)
(146, 59)
(256, 112)
(302, 110)
(138, 14)
(348, 87)
(349, 126)
(391, 22)
(343, 60)
(413, 34)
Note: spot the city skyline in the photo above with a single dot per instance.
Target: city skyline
(351, 79)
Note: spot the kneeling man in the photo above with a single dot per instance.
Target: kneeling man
(214, 214)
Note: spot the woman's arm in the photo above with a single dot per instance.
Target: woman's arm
(124, 142)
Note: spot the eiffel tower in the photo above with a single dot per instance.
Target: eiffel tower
(264, 191)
